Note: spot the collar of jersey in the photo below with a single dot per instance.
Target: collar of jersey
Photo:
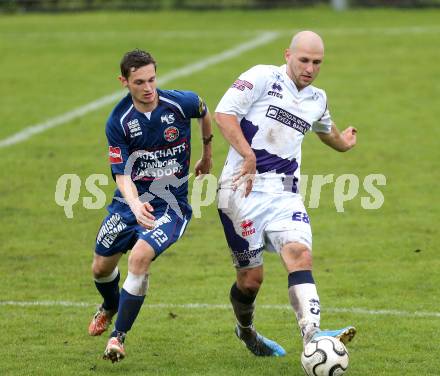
(145, 114)
(304, 93)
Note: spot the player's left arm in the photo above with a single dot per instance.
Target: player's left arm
(204, 164)
(340, 141)
(195, 107)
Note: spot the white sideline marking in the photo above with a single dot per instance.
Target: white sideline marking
(201, 306)
(263, 38)
(101, 102)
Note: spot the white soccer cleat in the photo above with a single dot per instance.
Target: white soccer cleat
(115, 349)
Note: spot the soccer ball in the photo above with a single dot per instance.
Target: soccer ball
(324, 356)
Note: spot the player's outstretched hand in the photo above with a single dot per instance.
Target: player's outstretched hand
(203, 166)
(349, 136)
(246, 175)
(142, 212)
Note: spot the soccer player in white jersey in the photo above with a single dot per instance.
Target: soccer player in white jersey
(265, 116)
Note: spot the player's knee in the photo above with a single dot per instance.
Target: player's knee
(250, 287)
(101, 270)
(249, 283)
(139, 261)
(136, 284)
(297, 254)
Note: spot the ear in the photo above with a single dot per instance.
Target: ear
(287, 54)
(123, 80)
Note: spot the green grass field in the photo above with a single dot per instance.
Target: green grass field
(374, 268)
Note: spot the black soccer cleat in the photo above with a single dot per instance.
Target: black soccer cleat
(257, 344)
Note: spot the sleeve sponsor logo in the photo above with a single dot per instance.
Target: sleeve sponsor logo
(242, 85)
(114, 155)
(288, 119)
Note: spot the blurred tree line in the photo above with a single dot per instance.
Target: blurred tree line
(84, 5)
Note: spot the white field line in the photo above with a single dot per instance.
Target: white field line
(263, 38)
(187, 70)
(203, 306)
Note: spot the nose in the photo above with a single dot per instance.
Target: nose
(309, 68)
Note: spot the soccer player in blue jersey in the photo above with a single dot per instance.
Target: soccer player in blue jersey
(149, 138)
(265, 116)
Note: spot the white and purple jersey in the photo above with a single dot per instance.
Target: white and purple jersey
(274, 117)
(153, 146)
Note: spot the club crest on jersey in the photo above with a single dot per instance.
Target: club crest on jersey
(277, 76)
(167, 118)
(171, 134)
(247, 227)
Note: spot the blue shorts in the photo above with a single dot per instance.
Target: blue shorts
(118, 234)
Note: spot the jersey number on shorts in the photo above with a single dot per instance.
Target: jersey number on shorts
(299, 216)
(159, 236)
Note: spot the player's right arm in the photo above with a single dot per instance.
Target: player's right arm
(231, 131)
(234, 105)
(118, 157)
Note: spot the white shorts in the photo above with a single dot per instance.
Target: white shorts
(262, 221)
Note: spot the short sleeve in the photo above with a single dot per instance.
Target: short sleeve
(325, 122)
(193, 106)
(118, 150)
(246, 90)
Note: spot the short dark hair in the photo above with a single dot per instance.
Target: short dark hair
(135, 59)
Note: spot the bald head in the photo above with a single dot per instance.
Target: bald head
(308, 40)
(304, 57)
